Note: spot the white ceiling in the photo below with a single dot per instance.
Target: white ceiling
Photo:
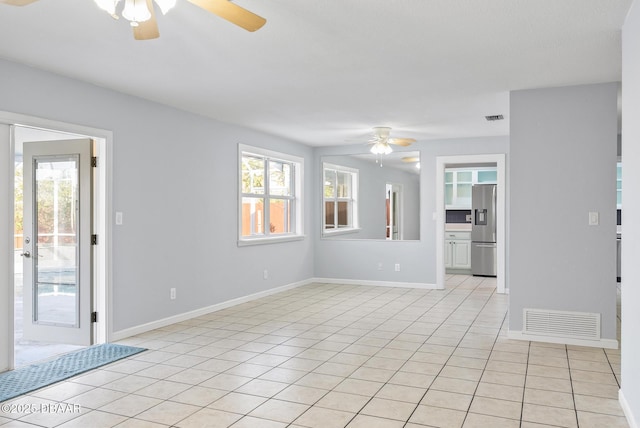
(325, 72)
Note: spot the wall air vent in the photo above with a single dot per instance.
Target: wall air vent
(575, 325)
(494, 117)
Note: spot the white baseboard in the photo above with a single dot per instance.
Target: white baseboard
(421, 285)
(143, 328)
(631, 420)
(602, 343)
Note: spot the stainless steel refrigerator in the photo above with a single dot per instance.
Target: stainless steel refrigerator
(483, 230)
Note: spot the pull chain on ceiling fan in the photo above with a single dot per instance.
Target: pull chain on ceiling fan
(141, 15)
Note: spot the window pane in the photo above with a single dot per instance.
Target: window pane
(344, 217)
(344, 184)
(329, 215)
(252, 175)
(252, 216)
(279, 216)
(329, 183)
(279, 178)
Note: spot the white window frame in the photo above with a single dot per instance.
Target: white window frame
(355, 224)
(296, 199)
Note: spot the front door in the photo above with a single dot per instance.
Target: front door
(57, 263)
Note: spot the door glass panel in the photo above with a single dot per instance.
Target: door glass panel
(56, 261)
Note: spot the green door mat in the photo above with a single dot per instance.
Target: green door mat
(35, 376)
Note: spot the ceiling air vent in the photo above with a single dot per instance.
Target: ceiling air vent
(494, 117)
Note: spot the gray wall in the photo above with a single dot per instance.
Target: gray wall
(358, 259)
(6, 257)
(563, 165)
(174, 178)
(372, 182)
(631, 211)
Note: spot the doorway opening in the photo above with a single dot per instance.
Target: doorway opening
(59, 279)
(394, 212)
(455, 177)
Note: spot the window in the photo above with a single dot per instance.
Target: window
(270, 196)
(340, 198)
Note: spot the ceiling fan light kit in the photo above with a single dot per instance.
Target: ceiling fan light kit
(381, 148)
(134, 11)
(140, 13)
(381, 143)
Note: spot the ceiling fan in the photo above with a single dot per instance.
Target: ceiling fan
(381, 142)
(141, 14)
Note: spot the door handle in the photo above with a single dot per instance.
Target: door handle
(26, 254)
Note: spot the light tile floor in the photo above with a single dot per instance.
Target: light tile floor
(328, 355)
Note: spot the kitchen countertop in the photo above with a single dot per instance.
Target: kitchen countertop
(457, 227)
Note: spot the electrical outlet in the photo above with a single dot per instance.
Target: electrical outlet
(380, 266)
(397, 267)
(118, 218)
(594, 218)
(265, 274)
(173, 294)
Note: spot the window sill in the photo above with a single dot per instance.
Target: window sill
(339, 232)
(270, 240)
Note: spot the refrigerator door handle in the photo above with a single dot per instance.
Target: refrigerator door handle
(494, 215)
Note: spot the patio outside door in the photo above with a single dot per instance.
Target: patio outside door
(57, 241)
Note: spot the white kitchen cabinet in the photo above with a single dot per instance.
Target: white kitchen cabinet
(457, 250)
(459, 181)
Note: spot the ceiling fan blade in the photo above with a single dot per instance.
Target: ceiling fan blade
(410, 159)
(17, 2)
(232, 13)
(148, 29)
(404, 142)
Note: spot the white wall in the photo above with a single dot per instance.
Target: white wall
(630, 392)
(358, 260)
(175, 180)
(562, 166)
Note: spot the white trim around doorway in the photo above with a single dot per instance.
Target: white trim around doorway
(443, 162)
(103, 220)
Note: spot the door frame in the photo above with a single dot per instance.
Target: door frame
(443, 162)
(399, 200)
(102, 203)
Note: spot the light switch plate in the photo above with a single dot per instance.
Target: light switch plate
(118, 218)
(594, 218)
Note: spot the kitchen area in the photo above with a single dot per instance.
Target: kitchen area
(470, 225)
(469, 238)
